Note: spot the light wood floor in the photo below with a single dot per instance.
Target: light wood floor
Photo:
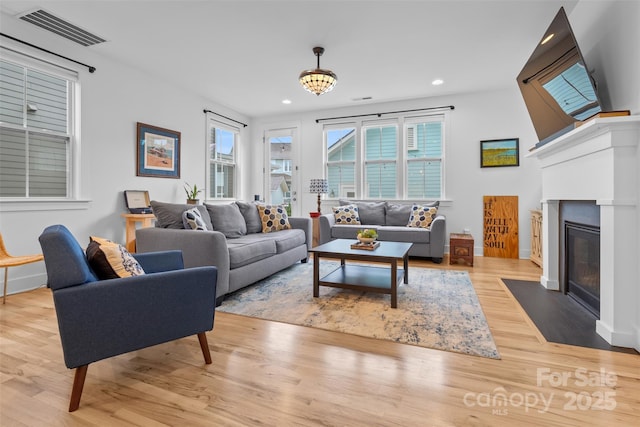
(274, 374)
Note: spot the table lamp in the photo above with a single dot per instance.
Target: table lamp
(319, 186)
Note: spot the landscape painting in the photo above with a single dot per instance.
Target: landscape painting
(158, 152)
(499, 152)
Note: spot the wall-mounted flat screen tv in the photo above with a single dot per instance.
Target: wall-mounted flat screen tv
(556, 84)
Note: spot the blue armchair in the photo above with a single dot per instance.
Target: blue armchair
(98, 319)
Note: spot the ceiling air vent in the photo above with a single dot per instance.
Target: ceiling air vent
(49, 22)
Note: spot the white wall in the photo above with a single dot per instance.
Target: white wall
(114, 99)
(608, 34)
(478, 116)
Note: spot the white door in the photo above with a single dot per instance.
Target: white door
(281, 178)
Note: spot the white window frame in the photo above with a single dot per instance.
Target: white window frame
(212, 123)
(402, 122)
(411, 122)
(370, 124)
(72, 199)
(355, 162)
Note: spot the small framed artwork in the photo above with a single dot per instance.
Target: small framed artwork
(499, 152)
(158, 152)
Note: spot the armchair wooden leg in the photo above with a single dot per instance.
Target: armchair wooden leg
(78, 384)
(6, 277)
(204, 345)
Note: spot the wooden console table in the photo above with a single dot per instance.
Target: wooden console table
(536, 237)
(131, 219)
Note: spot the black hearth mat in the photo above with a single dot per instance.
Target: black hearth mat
(558, 317)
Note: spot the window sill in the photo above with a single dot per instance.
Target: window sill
(22, 205)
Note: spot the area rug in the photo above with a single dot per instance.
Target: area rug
(437, 309)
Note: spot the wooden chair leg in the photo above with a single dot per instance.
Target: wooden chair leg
(78, 384)
(204, 345)
(6, 277)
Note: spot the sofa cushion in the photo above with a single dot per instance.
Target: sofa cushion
(110, 260)
(422, 216)
(273, 218)
(397, 214)
(288, 239)
(251, 216)
(191, 219)
(169, 215)
(247, 250)
(372, 213)
(228, 220)
(346, 215)
(347, 231)
(404, 234)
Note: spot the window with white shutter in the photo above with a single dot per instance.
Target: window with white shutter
(424, 158)
(341, 160)
(386, 159)
(222, 148)
(36, 116)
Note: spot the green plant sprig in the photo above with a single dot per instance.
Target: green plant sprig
(192, 192)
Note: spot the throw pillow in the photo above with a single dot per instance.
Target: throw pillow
(109, 260)
(228, 220)
(422, 216)
(192, 220)
(169, 215)
(251, 216)
(273, 218)
(397, 215)
(346, 215)
(371, 213)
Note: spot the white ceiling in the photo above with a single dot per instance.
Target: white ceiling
(247, 55)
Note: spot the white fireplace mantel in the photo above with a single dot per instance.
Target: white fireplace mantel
(600, 161)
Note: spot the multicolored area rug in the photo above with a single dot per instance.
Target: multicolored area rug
(438, 308)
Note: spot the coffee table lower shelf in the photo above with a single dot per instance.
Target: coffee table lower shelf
(363, 278)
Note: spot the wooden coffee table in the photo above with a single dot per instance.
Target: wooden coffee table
(361, 277)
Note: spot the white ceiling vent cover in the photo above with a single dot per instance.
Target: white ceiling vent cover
(50, 22)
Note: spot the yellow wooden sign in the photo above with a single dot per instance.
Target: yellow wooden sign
(501, 226)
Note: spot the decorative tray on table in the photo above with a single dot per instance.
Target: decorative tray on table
(366, 246)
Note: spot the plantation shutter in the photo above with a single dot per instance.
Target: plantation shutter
(381, 147)
(35, 133)
(424, 163)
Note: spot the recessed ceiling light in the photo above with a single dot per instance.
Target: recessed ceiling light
(546, 39)
(286, 101)
(437, 82)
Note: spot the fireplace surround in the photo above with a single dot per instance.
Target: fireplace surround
(598, 161)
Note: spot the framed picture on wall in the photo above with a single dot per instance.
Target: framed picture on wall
(499, 152)
(157, 152)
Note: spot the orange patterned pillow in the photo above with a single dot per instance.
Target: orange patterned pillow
(273, 217)
(422, 216)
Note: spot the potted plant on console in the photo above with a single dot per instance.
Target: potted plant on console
(192, 193)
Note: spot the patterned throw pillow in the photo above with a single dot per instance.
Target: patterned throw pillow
(110, 260)
(192, 220)
(273, 217)
(422, 216)
(347, 214)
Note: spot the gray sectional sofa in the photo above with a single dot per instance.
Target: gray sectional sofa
(233, 241)
(390, 220)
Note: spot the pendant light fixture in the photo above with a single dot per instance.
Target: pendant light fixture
(318, 81)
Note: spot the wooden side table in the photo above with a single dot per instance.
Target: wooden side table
(461, 249)
(130, 231)
(316, 231)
